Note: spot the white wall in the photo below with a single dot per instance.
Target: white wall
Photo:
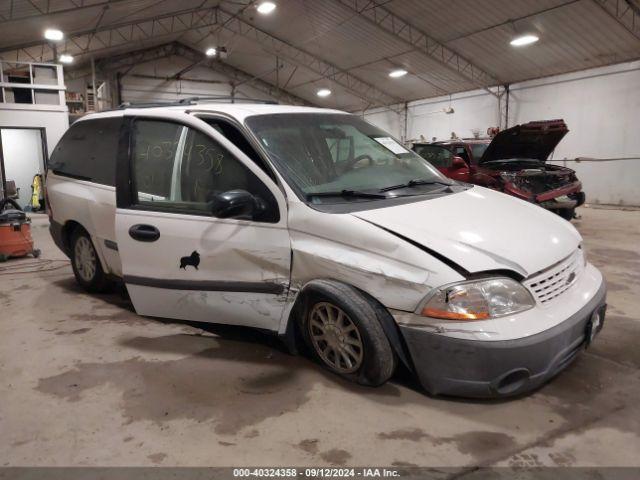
(473, 111)
(22, 153)
(152, 82)
(55, 123)
(601, 107)
(385, 119)
(137, 87)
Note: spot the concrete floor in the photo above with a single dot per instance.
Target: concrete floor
(84, 381)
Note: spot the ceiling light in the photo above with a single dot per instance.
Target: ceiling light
(65, 58)
(265, 8)
(526, 39)
(53, 35)
(397, 73)
(210, 52)
(323, 92)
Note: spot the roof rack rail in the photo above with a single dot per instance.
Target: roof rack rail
(194, 101)
(124, 105)
(214, 98)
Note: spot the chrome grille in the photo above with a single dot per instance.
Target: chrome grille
(554, 281)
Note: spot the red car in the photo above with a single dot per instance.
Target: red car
(513, 162)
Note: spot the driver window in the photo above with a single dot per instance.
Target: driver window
(177, 168)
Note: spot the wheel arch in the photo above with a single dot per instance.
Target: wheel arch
(68, 229)
(293, 336)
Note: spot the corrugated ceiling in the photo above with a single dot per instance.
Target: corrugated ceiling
(574, 35)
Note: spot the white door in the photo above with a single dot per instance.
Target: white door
(178, 259)
(23, 158)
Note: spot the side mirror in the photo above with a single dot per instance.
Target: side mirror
(236, 204)
(458, 163)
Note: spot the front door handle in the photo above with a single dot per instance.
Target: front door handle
(144, 233)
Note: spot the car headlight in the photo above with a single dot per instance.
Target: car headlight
(479, 300)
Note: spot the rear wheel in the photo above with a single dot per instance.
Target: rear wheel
(86, 264)
(342, 329)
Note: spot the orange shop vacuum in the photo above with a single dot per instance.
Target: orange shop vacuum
(15, 232)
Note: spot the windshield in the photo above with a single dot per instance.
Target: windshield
(323, 153)
(478, 150)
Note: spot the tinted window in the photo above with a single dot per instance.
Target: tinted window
(437, 156)
(177, 168)
(154, 157)
(236, 137)
(88, 151)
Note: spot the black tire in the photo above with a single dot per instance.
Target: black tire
(378, 361)
(97, 282)
(567, 213)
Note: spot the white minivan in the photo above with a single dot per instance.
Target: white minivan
(321, 228)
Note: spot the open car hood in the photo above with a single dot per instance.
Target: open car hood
(480, 229)
(535, 140)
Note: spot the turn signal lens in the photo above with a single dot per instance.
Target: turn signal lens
(433, 312)
(479, 300)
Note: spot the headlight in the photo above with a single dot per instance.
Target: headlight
(479, 300)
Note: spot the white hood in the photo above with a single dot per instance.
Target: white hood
(480, 229)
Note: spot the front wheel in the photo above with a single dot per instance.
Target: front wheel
(86, 264)
(342, 329)
(567, 213)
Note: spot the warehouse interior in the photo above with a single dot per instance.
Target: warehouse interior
(85, 381)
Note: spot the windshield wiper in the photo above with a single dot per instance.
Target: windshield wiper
(345, 193)
(415, 182)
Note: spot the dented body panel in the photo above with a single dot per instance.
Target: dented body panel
(400, 250)
(345, 248)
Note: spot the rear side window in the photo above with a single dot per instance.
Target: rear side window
(88, 151)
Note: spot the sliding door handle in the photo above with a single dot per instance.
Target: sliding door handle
(144, 233)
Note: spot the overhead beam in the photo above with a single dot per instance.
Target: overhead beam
(367, 92)
(125, 33)
(420, 41)
(625, 12)
(126, 61)
(40, 8)
(238, 76)
(109, 36)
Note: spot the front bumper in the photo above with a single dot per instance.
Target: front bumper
(490, 369)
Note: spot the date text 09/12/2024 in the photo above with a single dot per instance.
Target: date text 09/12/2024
(316, 472)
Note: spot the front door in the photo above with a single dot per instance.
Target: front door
(178, 259)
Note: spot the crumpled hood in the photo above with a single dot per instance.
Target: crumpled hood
(480, 229)
(535, 140)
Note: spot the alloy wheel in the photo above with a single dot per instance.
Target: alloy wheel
(85, 259)
(335, 337)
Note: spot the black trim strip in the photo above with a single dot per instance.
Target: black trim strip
(206, 285)
(110, 244)
(450, 263)
(60, 173)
